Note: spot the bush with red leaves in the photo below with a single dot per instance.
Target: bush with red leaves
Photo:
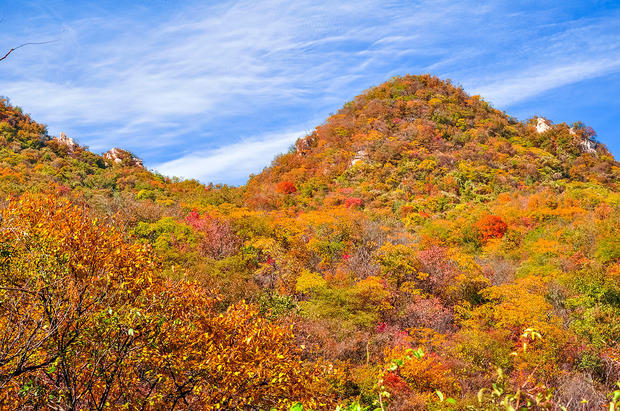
(427, 313)
(491, 226)
(218, 238)
(286, 187)
(395, 384)
(353, 202)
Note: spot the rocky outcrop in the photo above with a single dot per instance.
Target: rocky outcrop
(359, 156)
(124, 157)
(588, 146)
(67, 142)
(542, 125)
(114, 155)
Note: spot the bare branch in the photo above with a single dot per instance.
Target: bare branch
(22, 45)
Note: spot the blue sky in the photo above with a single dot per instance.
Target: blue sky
(214, 90)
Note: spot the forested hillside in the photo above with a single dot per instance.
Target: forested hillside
(418, 250)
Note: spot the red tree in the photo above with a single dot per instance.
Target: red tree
(491, 226)
(286, 187)
(218, 238)
(353, 202)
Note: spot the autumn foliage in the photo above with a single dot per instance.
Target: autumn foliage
(286, 187)
(418, 250)
(217, 238)
(85, 317)
(353, 202)
(491, 226)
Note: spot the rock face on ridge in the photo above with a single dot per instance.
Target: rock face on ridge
(588, 146)
(67, 142)
(119, 156)
(542, 125)
(359, 156)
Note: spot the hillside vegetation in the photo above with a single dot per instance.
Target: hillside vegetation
(418, 250)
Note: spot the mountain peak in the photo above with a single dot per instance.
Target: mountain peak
(413, 132)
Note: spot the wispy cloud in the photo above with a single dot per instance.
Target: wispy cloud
(126, 80)
(235, 161)
(537, 80)
(579, 50)
(195, 76)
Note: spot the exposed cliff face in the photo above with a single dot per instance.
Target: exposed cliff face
(359, 156)
(588, 146)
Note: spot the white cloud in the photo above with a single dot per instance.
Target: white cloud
(537, 80)
(233, 162)
(579, 50)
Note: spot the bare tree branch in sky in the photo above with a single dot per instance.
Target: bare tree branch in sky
(22, 45)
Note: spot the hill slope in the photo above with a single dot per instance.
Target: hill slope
(417, 241)
(418, 136)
